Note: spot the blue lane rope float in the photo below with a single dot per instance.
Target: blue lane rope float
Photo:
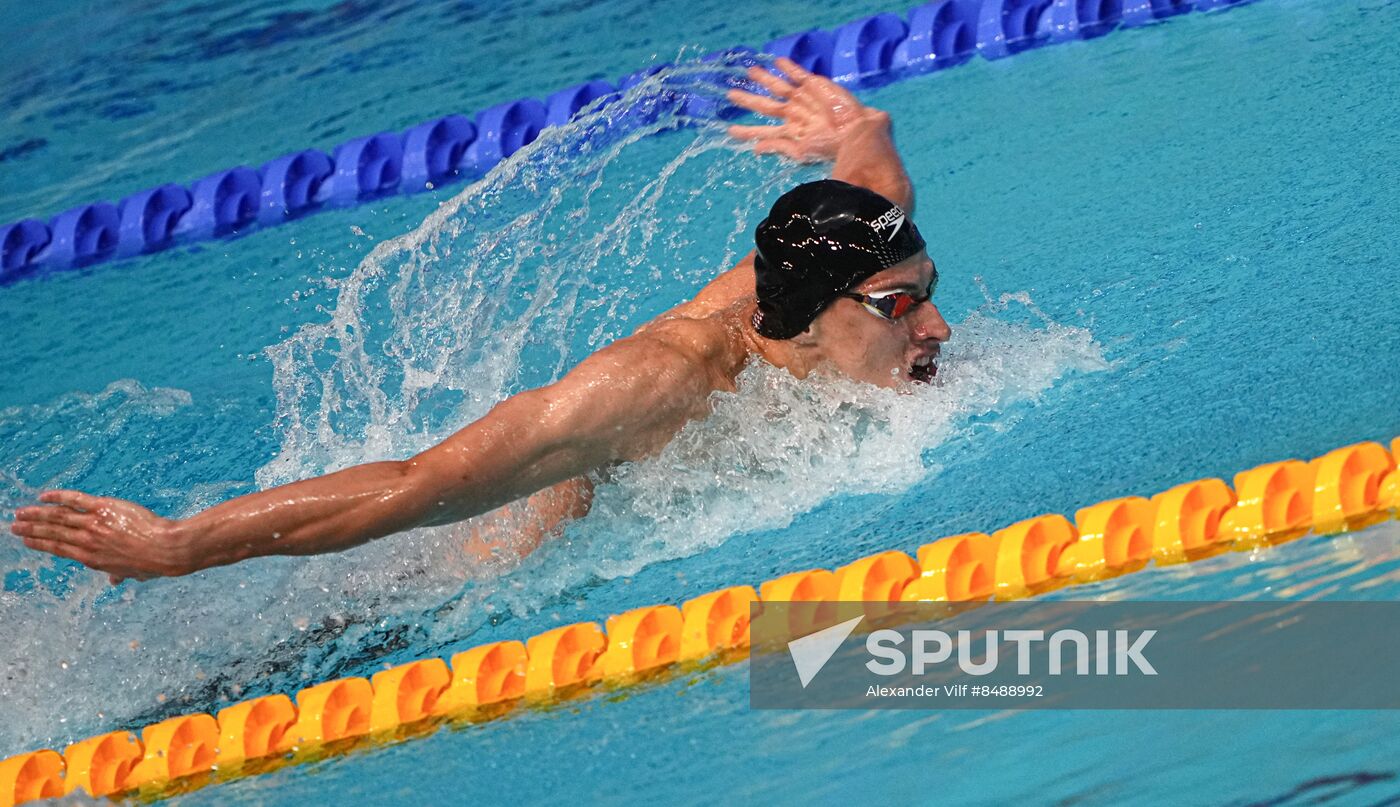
(862, 53)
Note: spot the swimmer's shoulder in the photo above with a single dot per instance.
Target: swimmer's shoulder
(701, 337)
(711, 341)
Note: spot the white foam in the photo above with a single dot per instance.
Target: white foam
(779, 447)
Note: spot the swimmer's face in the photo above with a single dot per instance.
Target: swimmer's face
(886, 352)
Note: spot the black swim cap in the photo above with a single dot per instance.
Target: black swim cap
(819, 240)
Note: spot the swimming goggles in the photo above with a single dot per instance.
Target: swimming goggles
(892, 304)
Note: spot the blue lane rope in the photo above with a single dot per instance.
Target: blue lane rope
(862, 53)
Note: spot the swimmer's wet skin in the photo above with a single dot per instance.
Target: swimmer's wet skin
(840, 281)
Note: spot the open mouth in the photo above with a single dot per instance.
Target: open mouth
(923, 370)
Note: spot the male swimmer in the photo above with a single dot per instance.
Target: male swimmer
(839, 282)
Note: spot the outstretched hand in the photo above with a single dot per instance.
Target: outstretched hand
(115, 536)
(817, 114)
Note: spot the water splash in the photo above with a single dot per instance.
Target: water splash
(574, 241)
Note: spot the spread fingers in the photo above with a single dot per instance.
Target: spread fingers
(754, 102)
(796, 73)
(766, 79)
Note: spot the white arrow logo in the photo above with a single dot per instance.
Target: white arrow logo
(813, 651)
(892, 218)
(899, 222)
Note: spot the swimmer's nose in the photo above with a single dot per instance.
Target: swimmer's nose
(931, 325)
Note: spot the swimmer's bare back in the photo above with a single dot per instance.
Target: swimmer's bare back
(622, 403)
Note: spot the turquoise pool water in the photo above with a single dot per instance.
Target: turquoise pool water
(1166, 254)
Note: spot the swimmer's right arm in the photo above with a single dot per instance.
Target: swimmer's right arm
(820, 121)
(623, 400)
(823, 121)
